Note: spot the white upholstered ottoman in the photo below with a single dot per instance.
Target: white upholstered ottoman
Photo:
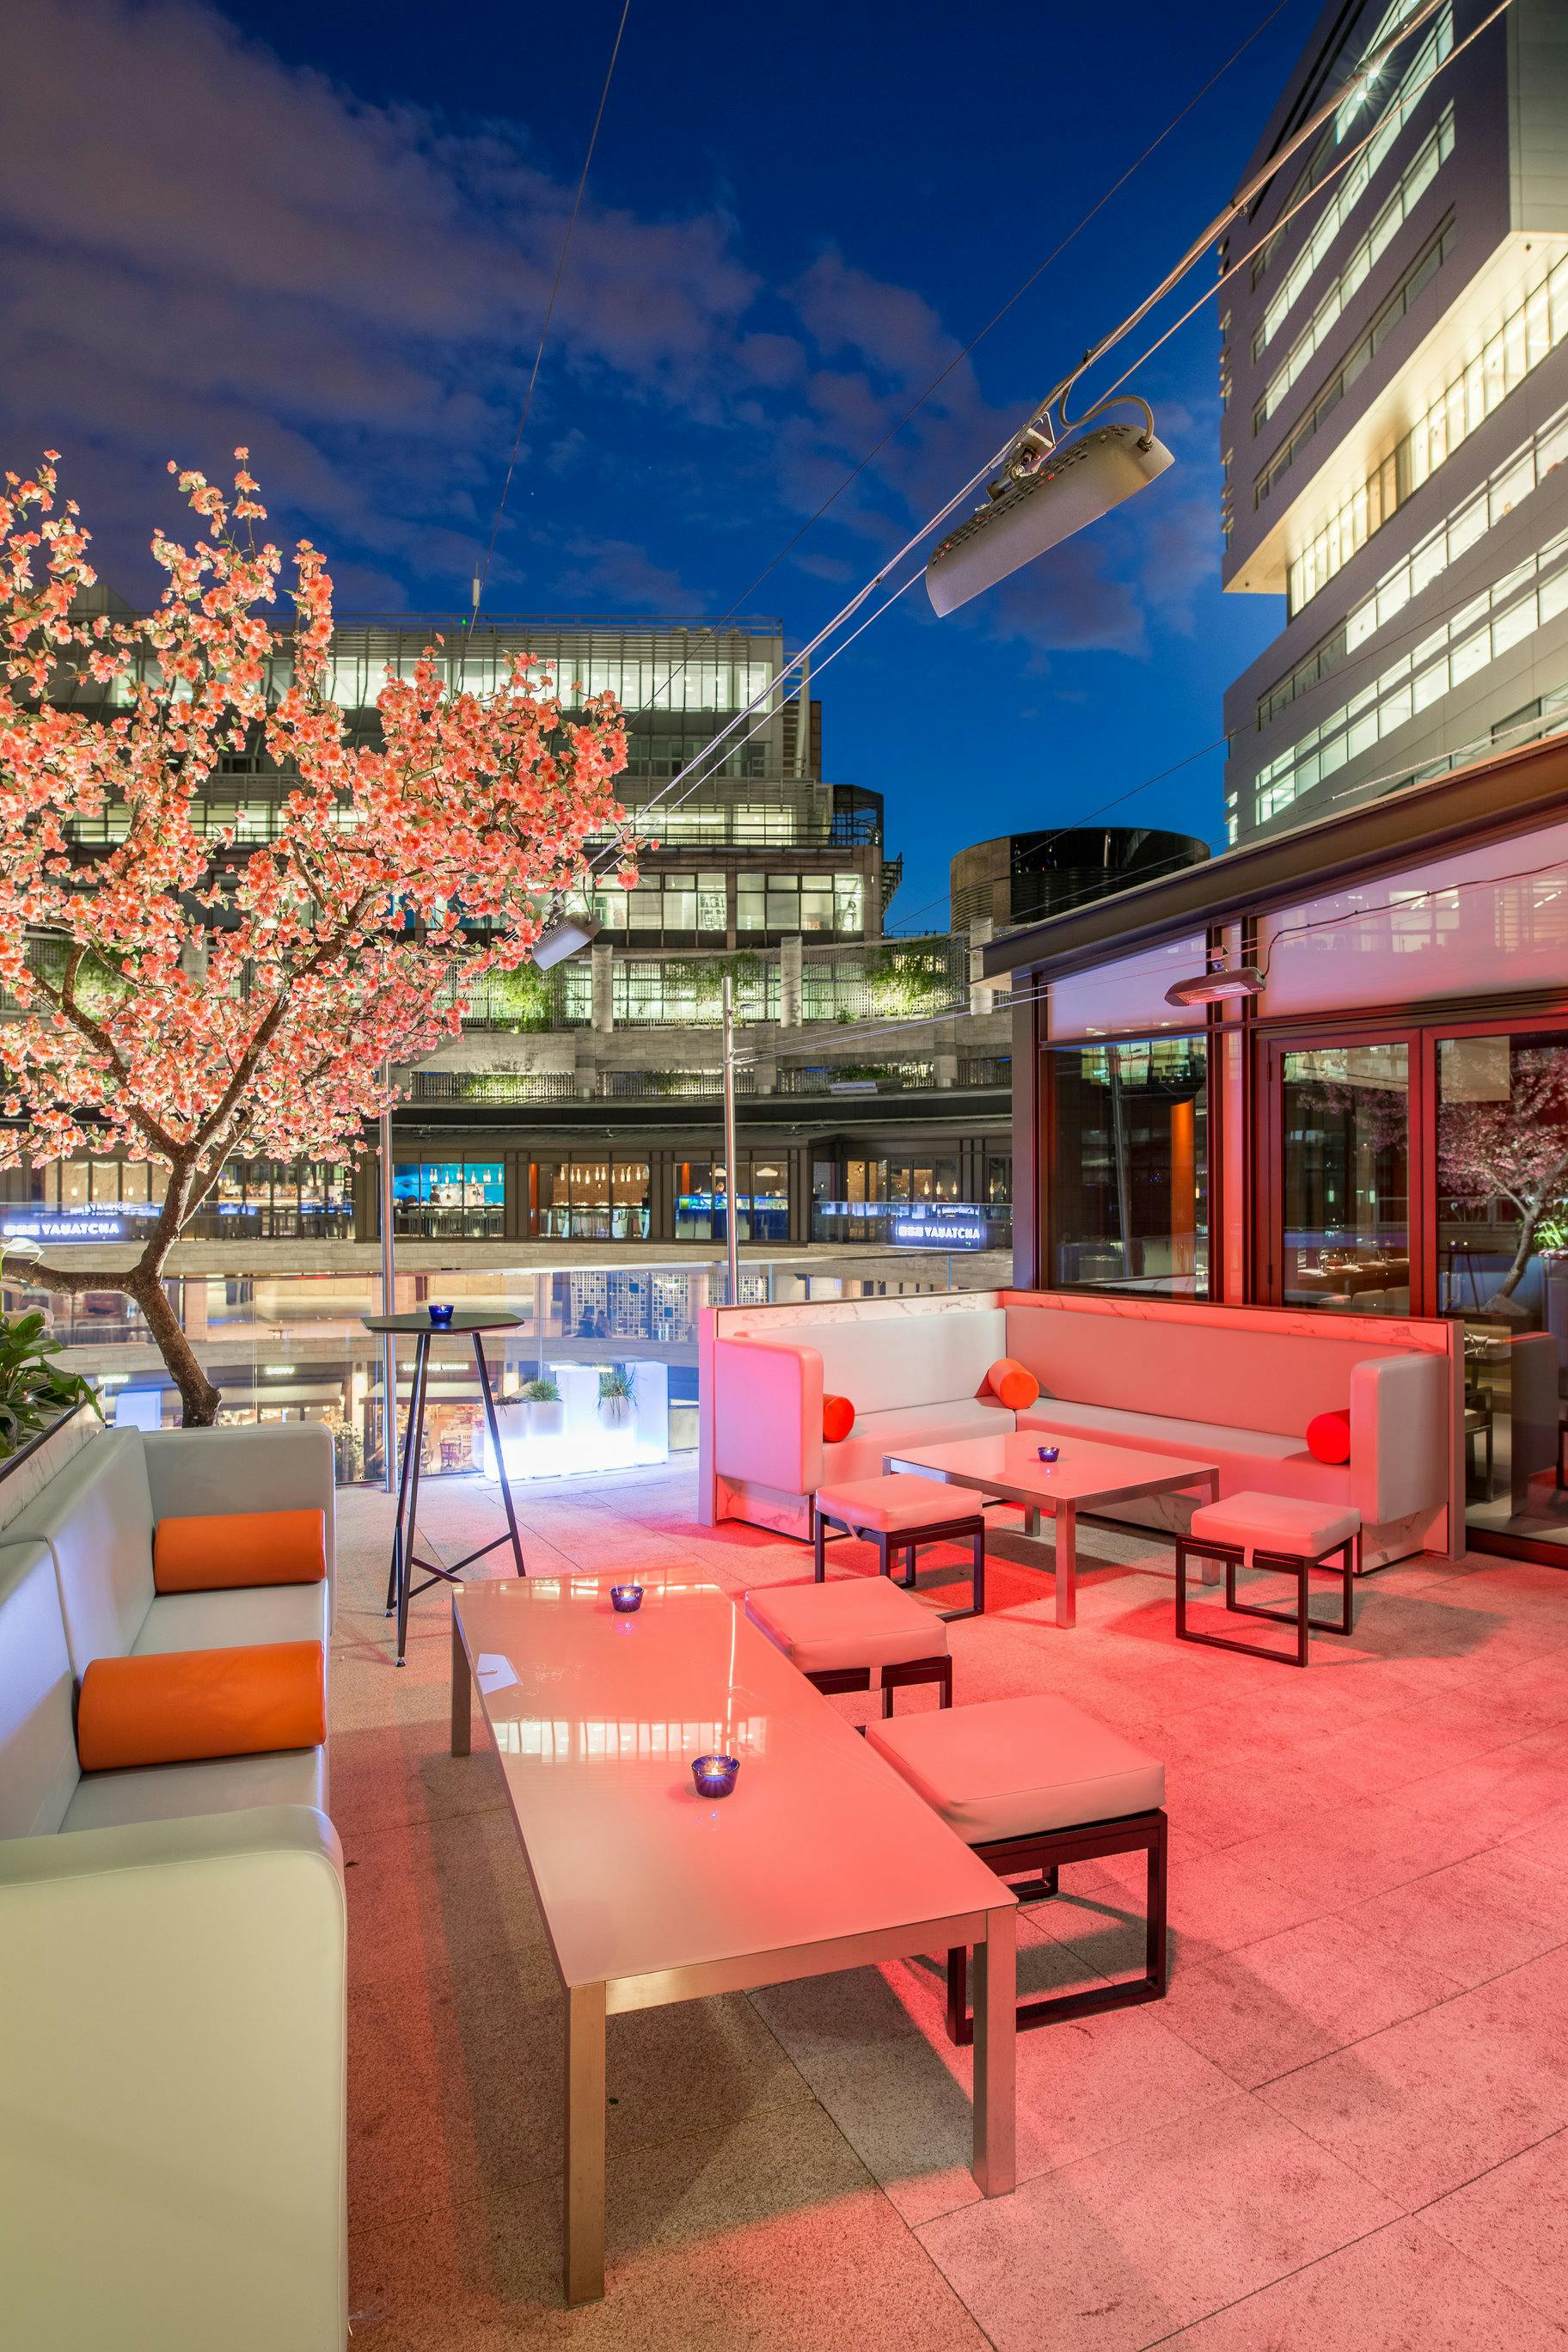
(1032, 1784)
(1283, 1532)
(898, 1512)
(842, 1633)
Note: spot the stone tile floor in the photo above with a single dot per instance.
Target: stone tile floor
(1346, 2126)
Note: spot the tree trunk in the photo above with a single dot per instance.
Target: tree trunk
(198, 1398)
(1522, 1258)
(143, 1283)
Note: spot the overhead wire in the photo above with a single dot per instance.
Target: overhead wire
(1040, 994)
(1371, 64)
(1209, 292)
(482, 578)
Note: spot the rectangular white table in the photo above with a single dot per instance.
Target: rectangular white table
(1087, 1473)
(823, 1858)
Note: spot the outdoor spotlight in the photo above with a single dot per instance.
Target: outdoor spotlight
(1217, 987)
(1046, 493)
(562, 937)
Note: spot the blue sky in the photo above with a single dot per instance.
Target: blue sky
(328, 232)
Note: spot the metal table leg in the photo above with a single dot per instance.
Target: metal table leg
(462, 1692)
(412, 1445)
(995, 2165)
(1067, 1563)
(495, 1441)
(583, 2248)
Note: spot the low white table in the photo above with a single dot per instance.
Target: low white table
(1085, 1475)
(823, 1858)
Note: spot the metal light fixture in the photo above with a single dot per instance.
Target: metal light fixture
(1047, 491)
(1220, 986)
(563, 936)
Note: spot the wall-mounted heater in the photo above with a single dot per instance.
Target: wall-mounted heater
(1221, 986)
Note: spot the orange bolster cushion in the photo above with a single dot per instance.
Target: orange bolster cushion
(233, 1548)
(837, 1419)
(186, 1705)
(1014, 1386)
(1329, 1437)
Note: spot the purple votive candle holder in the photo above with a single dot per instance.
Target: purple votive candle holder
(1049, 1452)
(715, 1775)
(441, 1317)
(625, 1599)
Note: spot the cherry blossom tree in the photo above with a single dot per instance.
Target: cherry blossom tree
(1515, 1149)
(202, 998)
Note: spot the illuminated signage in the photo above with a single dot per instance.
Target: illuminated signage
(919, 1227)
(66, 1225)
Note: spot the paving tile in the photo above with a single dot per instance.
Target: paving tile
(1124, 2248)
(875, 2052)
(1512, 2224)
(1427, 2104)
(1399, 2289)
(1369, 1920)
(1276, 2005)
(770, 2235)
(1474, 1920)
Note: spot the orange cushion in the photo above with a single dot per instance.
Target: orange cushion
(184, 1705)
(1329, 1437)
(212, 1555)
(837, 1419)
(1014, 1386)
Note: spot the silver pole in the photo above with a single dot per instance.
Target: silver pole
(732, 1215)
(388, 1298)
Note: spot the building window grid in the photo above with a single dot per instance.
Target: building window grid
(1357, 360)
(1364, 257)
(1416, 681)
(1534, 328)
(1521, 471)
(1358, 178)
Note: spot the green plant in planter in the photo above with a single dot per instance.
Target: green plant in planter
(540, 1391)
(33, 1390)
(617, 1389)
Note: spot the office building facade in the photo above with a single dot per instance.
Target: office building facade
(1395, 379)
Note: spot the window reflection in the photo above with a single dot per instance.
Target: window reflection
(1129, 1166)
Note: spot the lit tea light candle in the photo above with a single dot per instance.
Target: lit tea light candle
(715, 1775)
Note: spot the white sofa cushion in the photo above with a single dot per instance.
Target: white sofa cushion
(197, 1473)
(855, 1621)
(96, 1517)
(1016, 1767)
(890, 1361)
(1275, 1523)
(234, 1620)
(861, 1453)
(38, 1732)
(901, 1500)
(172, 1792)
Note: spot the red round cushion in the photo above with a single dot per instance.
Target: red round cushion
(1008, 1380)
(837, 1419)
(1329, 1437)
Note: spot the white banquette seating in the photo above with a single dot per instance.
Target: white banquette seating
(172, 1940)
(1233, 1386)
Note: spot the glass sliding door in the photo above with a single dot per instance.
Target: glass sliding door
(1502, 1269)
(1343, 1136)
(1128, 1167)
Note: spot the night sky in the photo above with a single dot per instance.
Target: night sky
(328, 231)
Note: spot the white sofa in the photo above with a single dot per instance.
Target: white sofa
(172, 1941)
(1233, 1386)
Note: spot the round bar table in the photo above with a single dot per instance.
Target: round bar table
(470, 1322)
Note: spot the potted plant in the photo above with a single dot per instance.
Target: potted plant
(544, 1414)
(618, 1392)
(36, 1393)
